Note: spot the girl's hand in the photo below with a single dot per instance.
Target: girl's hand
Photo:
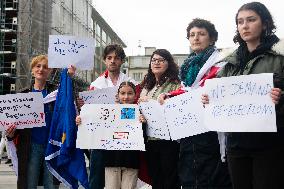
(78, 120)
(275, 95)
(204, 99)
(10, 132)
(143, 99)
(71, 70)
(162, 97)
(142, 119)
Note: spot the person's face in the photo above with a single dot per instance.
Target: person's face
(159, 65)
(126, 95)
(41, 71)
(250, 26)
(113, 62)
(199, 39)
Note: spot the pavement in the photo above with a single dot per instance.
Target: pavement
(8, 179)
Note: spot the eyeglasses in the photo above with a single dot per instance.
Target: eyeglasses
(160, 61)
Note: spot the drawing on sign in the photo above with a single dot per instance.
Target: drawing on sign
(128, 113)
(120, 135)
(103, 128)
(70, 46)
(107, 114)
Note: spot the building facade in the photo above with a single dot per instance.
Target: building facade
(25, 28)
(104, 36)
(8, 45)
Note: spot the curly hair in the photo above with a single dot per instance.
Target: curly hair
(201, 23)
(265, 16)
(114, 48)
(170, 74)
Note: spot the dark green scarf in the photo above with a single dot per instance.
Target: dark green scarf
(192, 65)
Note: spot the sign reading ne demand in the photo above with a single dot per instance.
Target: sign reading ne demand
(240, 104)
(25, 110)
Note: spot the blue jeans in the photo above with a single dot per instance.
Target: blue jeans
(36, 161)
(97, 170)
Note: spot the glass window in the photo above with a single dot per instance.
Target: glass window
(98, 30)
(137, 76)
(104, 36)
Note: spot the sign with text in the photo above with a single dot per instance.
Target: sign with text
(110, 127)
(184, 114)
(71, 50)
(25, 110)
(99, 96)
(156, 122)
(240, 104)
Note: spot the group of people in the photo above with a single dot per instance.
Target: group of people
(204, 161)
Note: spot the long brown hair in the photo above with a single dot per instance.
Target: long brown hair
(170, 74)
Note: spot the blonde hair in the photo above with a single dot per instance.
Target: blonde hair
(37, 59)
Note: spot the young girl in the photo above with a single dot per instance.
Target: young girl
(121, 167)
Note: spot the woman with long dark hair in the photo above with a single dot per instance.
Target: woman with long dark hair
(256, 159)
(162, 155)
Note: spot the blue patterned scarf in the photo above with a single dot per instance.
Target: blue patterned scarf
(191, 66)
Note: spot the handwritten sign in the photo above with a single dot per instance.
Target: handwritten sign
(240, 104)
(70, 50)
(99, 96)
(110, 127)
(25, 110)
(184, 114)
(156, 122)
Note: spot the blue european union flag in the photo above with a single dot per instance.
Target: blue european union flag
(64, 161)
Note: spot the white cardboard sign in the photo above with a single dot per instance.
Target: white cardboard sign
(184, 114)
(240, 104)
(157, 126)
(99, 96)
(110, 127)
(25, 110)
(64, 51)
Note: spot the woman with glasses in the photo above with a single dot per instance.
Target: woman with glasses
(162, 155)
(202, 159)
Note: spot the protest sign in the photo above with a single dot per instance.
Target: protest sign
(240, 104)
(156, 122)
(110, 127)
(184, 114)
(25, 110)
(64, 51)
(99, 96)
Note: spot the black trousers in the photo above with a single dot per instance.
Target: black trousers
(162, 159)
(257, 170)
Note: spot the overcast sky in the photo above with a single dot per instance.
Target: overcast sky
(162, 23)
